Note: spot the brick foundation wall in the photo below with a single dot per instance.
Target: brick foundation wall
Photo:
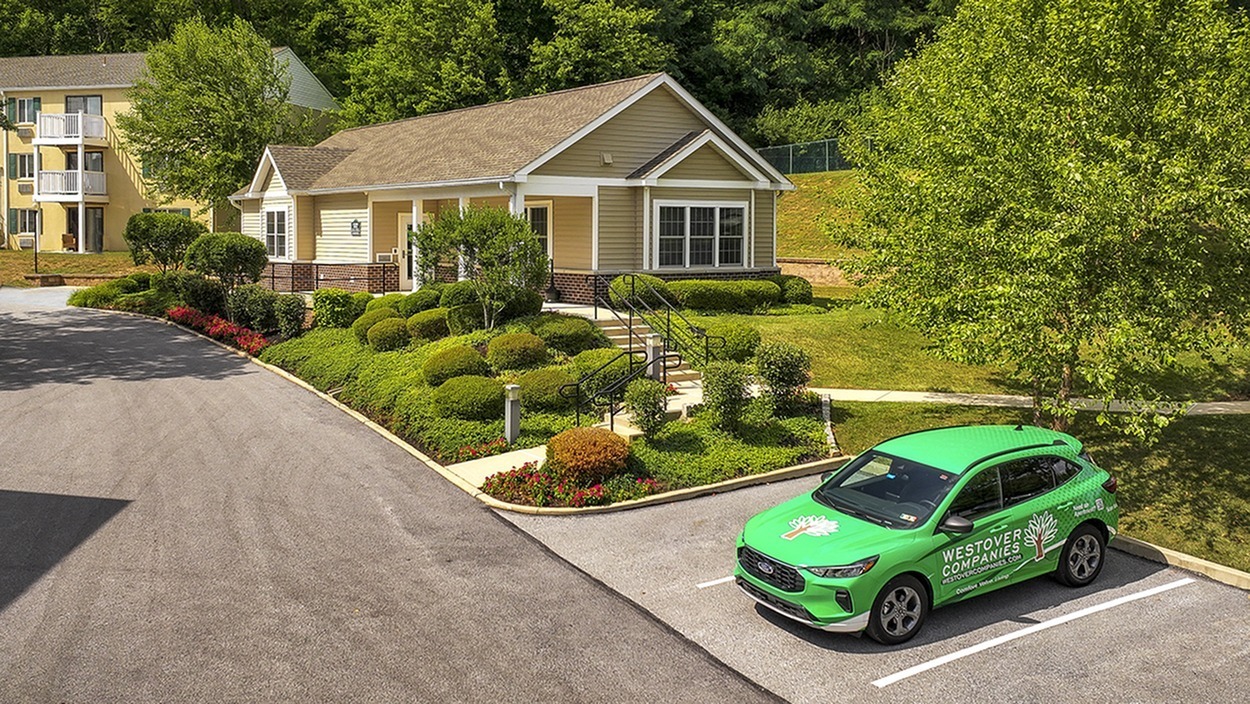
(307, 276)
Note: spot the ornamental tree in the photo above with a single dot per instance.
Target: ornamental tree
(232, 257)
(497, 250)
(161, 238)
(1061, 188)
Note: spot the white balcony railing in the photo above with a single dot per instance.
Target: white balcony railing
(65, 183)
(73, 126)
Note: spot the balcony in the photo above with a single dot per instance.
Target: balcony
(71, 129)
(65, 187)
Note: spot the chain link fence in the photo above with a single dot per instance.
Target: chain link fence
(806, 157)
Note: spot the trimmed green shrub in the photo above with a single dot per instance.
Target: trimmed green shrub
(390, 300)
(233, 257)
(591, 360)
(143, 279)
(290, 310)
(759, 293)
(470, 398)
(740, 341)
(518, 350)
(784, 368)
(710, 295)
(429, 324)
(126, 284)
(252, 306)
(360, 301)
(587, 455)
(361, 327)
(389, 334)
(540, 390)
(100, 296)
(522, 304)
(794, 289)
(170, 281)
(457, 294)
(726, 391)
(453, 362)
(417, 301)
(647, 401)
(149, 302)
(204, 295)
(161, 238)
(327, 358)
(647, 290)
(464, 319)
(569, 334)
(333, 308)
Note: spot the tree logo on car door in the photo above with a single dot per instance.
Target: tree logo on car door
(1040, 529)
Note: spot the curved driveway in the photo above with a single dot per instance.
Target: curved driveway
(179, 525)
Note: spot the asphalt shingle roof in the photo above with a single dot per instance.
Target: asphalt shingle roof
(94, 70)
(666, 154)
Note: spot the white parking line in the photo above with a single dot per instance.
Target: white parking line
(938, 662)
(714, 582)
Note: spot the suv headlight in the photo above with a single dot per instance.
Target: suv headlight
(845, 571)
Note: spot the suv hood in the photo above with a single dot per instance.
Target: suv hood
(804, 532)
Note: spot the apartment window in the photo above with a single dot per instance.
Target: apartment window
(89, 104)
(23, 222)
(23, 110)
(540, 220)
(703, 235)
(275, 234)
(23, 166)
(92, 161)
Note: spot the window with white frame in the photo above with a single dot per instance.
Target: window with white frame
(27, 222)
(27, 110)
(275, 234)
(539, 216)
(25, 165)
(700, 235)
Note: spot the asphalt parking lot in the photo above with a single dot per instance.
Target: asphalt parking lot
(1143, 632)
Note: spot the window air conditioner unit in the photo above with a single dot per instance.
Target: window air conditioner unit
(26, 189)
(386, 258)
(25, 133)
(26, 241)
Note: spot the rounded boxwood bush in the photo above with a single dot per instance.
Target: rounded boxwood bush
(429, 324)
(470, 398)
(390, 300)
(540, 390)
(389, 334)
(143, 279)
(590, 361)
(568, 334)
(740, 341)
(453, 362)
(464, 319)
(523, 303)
(698, 294)
(457, 294)
(587, 455)
(759, 293)
(794, 289)
(417, 301)
(784, 368)
(518, 350)
(333, 308)
(647, 290)
(368, 320)
(360, 301)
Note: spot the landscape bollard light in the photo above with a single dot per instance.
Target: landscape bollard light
(655, 352)
(512, 413)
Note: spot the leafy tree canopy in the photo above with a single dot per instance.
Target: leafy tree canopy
(1061, 187)
(201, 117)
(596, 41)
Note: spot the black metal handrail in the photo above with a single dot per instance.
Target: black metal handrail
(683, 337)
(613, 392)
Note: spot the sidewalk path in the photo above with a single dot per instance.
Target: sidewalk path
(1204, 408)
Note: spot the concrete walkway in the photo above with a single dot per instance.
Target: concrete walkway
(1203, 408)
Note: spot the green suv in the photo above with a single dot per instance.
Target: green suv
(927, 519)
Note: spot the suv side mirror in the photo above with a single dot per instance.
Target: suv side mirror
(955, 524)
(824, 476)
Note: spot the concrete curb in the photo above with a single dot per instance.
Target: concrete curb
(801, 470)
(1167, 556)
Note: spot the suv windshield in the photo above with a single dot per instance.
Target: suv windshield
(886, 490)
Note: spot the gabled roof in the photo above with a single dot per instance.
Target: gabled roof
(666, 154)
(302, 166)
(73, 71)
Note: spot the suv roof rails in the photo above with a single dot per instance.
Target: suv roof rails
(1000, 453)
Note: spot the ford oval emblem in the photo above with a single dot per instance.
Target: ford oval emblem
(764, 567)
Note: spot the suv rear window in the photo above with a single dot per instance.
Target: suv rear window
(1026, 479)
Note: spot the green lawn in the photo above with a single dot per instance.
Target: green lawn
(15, 265)
(1189, 492)
(803, 212)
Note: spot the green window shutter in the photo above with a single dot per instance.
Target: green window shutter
(11, 109)
(37, 105)
(12, 221)
(12, 170)
(186, 212)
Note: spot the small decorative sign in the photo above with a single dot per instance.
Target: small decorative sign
(355, 228)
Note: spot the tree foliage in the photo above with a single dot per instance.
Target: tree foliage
(232, 257)
(498, 251)
(161, 238)
(201, 117)
(1061, 187)
(596, 41)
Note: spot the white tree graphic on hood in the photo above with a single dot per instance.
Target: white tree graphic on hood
(811, 525)
(1041, 528)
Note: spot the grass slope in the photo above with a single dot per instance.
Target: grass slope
(803, 212)
(15, 265)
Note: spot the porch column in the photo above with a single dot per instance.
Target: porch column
(516, 202)
(646, 227)
(462, 272)
(82, 201)
(414, 252)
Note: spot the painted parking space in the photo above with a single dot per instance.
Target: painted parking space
(1141, 632)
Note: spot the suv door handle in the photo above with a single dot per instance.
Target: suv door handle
(998, 529)
(1061, 507)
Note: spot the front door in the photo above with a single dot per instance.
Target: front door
(94, 229)
(405, 258)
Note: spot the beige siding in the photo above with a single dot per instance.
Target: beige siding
(305, 228)
(620, 228)
(335, 243)
(250, 220)
(386, 225)
(633, 138)
(571, 226)
(765, 212)
(708, 164)
(493, 201)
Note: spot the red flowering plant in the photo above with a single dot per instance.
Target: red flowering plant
(219, 328)
(471, 452)
(532, 484)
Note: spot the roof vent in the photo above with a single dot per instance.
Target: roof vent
(605, 158)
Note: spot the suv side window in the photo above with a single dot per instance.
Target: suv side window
(1065, 470)
(1026, 479)
(979, 497)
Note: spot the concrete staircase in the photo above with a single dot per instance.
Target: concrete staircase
(687, 382)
